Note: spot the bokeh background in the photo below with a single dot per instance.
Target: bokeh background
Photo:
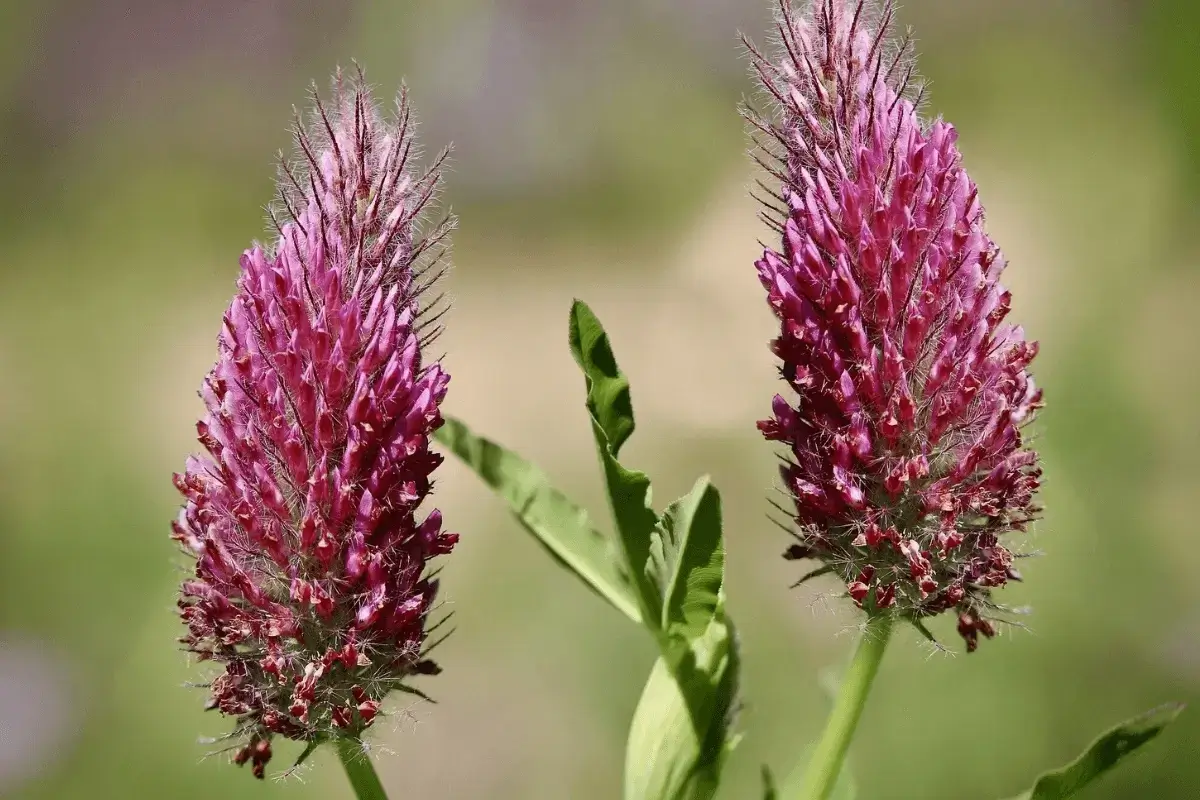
(598, 154)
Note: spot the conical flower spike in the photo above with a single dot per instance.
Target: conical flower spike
(310, 584)
(908, 392)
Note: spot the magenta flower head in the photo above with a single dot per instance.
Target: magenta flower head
(906, 462)
(311, 585)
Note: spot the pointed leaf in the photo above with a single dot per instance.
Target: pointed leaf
(682, 729)
(611, 413)
(557, 523)
(629, 498)
(608, 397)
(770, 792)
(1105, 753)
(687, 562)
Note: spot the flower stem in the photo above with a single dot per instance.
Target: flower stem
(826, 764)
(359, 770)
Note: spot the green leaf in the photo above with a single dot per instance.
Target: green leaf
(770, 792)
(682, 729)
(687, 562)
(561, 526)
(607, 388)
(611, 412)
(1105, 753)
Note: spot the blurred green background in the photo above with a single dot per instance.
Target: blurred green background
(598, 154)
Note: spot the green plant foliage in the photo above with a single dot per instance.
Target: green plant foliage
(611, 411)
(682, 729)
(687, 562)
(770, 792)
(667, 574)
(561, 526)
(1112, 747)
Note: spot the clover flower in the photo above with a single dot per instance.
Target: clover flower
(310, 585)
(906, 460)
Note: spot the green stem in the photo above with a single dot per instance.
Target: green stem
(826, 764)
(359, 770)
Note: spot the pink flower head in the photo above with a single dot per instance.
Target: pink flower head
(906, 461)
(310, 584)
